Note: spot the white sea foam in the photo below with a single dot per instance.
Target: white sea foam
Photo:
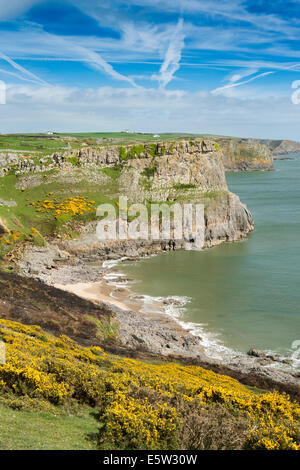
(211, 341)
(111, 263)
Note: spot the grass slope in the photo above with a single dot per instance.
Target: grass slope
(37, 430)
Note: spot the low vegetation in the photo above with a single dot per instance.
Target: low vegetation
(24, 425)
(38, 206)
(184, 186)
(150, 171)
(113, 172)
(140, 405)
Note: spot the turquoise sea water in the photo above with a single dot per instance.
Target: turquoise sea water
(245, 293)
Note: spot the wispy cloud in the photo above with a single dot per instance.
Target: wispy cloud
(239, 74)
(231, 85)
(16, 75)
(228, 10)
(256, 64)
(21, 69)
(74, 47)
(235, 78)
(98, 63)
(172, 58)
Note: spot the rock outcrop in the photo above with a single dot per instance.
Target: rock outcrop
(245, 155)
(226, 219)
(184, 171)
(287, 147)
(181, 171)
(279, 147)
(238, 154)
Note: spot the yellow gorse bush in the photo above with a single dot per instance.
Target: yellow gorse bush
(11, 237)
(59, 370)
(72, 206)
(130, 421)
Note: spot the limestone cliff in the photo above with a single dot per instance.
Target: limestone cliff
(279, 147)
(178, 171)
(241, 155)
(186, 171)
(287, 147)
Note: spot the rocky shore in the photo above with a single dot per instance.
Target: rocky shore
(93, 276)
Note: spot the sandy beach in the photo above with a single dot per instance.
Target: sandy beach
(140, 324)
(95, 291)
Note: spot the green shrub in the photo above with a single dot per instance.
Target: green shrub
(135, 151)
(122, 153)
(210, 428)
(150, 171)
(38, 240)
(113, 172)
(152, 149)
(106, 329)
(74, 160)
(146, 183)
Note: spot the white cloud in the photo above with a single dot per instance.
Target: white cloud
(172, 58)
(238, 75)
(98, 63)
(38, 42)
(141, 41)
(21, 69)
(231, 85)
(109, 109)
(230, 109)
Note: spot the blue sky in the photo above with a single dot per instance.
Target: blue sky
(210, 66)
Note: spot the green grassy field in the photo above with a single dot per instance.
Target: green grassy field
(36, 430)
(44, 144)
(32, 144)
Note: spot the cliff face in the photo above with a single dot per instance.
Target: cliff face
(286, 147)
(179, 171)
(243, 156)
(279, 147)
